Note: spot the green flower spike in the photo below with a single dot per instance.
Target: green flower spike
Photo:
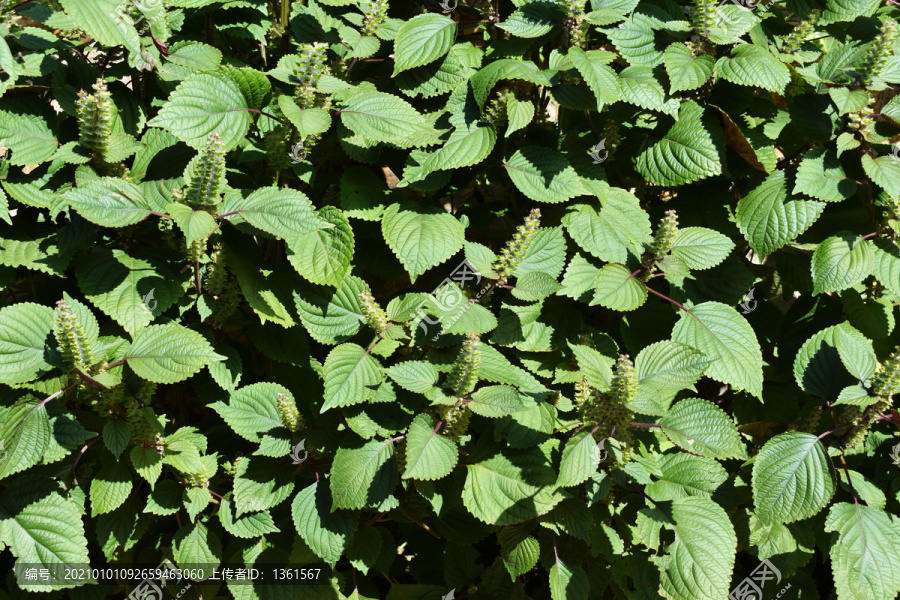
(516, 249)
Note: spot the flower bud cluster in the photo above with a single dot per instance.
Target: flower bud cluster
(95, 118)
(209, 174)
(516, 249)
(290, 416)
(880, 52)
(456, 419)
(311, 66)
(887, 378)
(703, 18)
(794, 40)
(73, 343)
(574, 22)
(196, 480)
(495, 112)
(862, 120)
(464, 375)
(582, 392)
(612, 411)
(375, 12)
(216, 273)
(664, 238)
(277, 152)
(375, 315)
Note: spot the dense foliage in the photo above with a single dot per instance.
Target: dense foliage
(483, 299)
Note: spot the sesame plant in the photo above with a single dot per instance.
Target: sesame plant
(488, 299)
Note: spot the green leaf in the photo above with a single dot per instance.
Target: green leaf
(793, 478)
(600, 78)
(165, 499)
(169, 353)
(580, 459)
(821, 176)
(884, 171)
(327, 533)
(512, 487)
(261, 483)
(148, 464)
(699, 563)
(543, 175)
(718, 331)
(886, 265)
(194, 224)
(663, 369)
(323, 256)
(640, 87)
(110, 488)
(520, 553)
(819, 368)
(25, 336)
(351, 376)
(194, 544)
(204, 103)
(769, 220)
(414, 375)
(754, 66)
(116, 434)
(25, 435)
(383, 117)
(613, 232)
(285, 213)
(495, 401)
(701, 248)
(519, 113)
(855, 351)
(27, 133)
(531, 21)
(701, 427)
(465, 147)
(99, 19)
(421, 40)
(634, 39)
(363, 476)
(267, 291)
(840, 262)
(535, 285)
(683, 475)
(308, 121)
(332, 315)
(118, 284)
(690, 151)
(568, 582)
(252, 411)
(42, 528)
(618, 289)
(421, 236)
(864, 551)
(594, 366)
(579, 278)
(249, 526)
(686, 71)
(429, 455)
